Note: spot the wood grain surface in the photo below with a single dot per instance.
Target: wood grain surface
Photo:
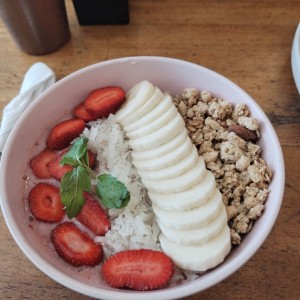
(247, 41)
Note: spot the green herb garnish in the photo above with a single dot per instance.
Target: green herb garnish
(112, 192)
(77, 154)
(73, 184)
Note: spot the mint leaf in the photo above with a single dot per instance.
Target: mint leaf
(73, 184)
(111, 191)
(77, 153)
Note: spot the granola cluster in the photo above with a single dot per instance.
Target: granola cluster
(226, 136)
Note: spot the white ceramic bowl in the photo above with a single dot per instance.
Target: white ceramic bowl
(170, 75)
(295, 58)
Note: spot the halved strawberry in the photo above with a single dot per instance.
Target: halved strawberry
(104, 101)
(57, 170)
(81, 112)
(45, 203)
(39, 163)
(141, 269)
(63, 133)
(75, 246)
(93, 216)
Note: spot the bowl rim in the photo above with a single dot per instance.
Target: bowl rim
(179, 291)
(295, 58)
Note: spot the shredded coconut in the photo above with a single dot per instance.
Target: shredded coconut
(133, 226)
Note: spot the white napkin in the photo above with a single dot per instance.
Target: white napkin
(37, 79)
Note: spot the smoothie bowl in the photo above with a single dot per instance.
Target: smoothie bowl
(176, 129)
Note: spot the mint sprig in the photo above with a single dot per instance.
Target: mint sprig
(112, 192)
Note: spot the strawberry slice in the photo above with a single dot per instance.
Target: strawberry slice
(104, 101)
(39, 163)
(92, 159)
(58, 171)
(81, 112)
(141, 269)
(63, 133)
(93, 216)
(75, 246)
(45, 203)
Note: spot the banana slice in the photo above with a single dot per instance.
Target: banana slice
(189, 199)
(173, 171)
(161, 150)
(193, 218)
(136, 97)
(179, 183)
(199, 235)
(165, 104)
(165, 160)
(158, 137)
(161, 121)
(145, 108)
(198, 258)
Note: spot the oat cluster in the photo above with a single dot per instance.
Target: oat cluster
(226, 135)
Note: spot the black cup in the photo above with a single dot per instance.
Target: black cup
(97, 12)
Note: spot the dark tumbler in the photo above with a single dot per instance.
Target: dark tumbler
(37, 26)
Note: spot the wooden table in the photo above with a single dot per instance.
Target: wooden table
(247, 41)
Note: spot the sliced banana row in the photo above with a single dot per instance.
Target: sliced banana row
(187, 205)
